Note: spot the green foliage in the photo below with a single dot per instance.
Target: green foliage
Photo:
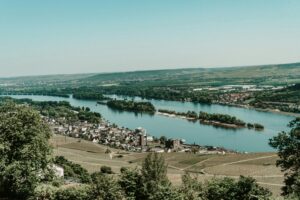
(290, 94)
(107, 151)
(25, 155)
(207, 117)
(191, 188)
(250, 126)
(288, 146)
(154, 169)
(105, 187)
(165, 192)
(189, 114)
(154, 174)
(74, 193)
(221, 118)
(106, 170)
(163, 139)
(73, 171)
(49, 192)
(44, 92)
(61, 109)
(44, 192)
(264, 75)
(131, 182)
(256, 126)
(279, 99)
(89, 95)
(131, 106)
(245, 188)
(169, 144)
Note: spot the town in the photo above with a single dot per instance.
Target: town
(137, 140)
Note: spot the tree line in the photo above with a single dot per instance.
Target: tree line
(61, 109)
(214, 117)
(128, 105)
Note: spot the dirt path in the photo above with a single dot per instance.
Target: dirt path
(246, 160)
(202, 161)
(231, 176)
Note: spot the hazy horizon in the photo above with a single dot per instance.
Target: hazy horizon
(138, 70)
(75, 37)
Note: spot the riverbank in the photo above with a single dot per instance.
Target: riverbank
(261, 109)
(223, 104)
(242, 140)
(213, 103)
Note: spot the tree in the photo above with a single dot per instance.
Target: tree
(169, 144)
(288, 146)
(105, 187)
(107, 151)
(82, 192)
(131, 183)
(191, 188)
(154, 174)
(106, 170)
(245, 188)
(162, 139)
(25, 154)
(165, 192)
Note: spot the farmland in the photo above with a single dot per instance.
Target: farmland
(92, 156)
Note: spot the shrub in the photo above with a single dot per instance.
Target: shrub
(106, 170)
(74, 193)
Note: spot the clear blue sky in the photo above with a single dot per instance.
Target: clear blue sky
(75, 36)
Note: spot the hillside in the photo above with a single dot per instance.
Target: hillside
(264, 74)
(92, 156)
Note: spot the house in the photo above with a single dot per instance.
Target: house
(58, 171)
(150, 138)
(176, 144)
(142, 141)
(157, 150)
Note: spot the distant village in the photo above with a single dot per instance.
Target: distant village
(238, 95)
(123, 138)
(230, 88)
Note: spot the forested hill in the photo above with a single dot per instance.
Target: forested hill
(267, 74)
(264, 74)
(44, 79)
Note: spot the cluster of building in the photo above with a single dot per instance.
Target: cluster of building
(230, 88)
(228, 98)
(123, 138)
(102, 133)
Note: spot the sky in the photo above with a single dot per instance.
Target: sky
(84, 36)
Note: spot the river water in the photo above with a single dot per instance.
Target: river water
(193, 132)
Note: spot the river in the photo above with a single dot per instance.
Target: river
(193, 132)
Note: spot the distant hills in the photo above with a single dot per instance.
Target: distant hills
(265, 74)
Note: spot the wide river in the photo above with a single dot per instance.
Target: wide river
(193, 132)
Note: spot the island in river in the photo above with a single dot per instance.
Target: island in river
(131, 106)
(242, 139)
(222, 120)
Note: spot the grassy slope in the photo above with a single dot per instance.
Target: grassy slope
(260, 165)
